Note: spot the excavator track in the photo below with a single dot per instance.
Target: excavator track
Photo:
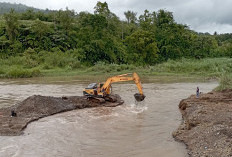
(96, 100)
(111, 98)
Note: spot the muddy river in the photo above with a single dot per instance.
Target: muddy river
(131, 130)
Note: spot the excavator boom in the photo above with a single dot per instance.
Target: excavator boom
(125, 77)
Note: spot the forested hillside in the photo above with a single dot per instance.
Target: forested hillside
(146, 39)
(6, 7)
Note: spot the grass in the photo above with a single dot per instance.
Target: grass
(18, 72)
(204, 67)
(225, 82)
(49, 64)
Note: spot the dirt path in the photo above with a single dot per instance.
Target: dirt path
(36, 107)
(207, 124)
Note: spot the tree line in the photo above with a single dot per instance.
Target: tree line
(151, 38)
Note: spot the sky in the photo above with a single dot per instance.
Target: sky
(199, 15)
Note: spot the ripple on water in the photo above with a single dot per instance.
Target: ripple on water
(133, 129)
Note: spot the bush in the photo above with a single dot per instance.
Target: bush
(2, 71)
(203, 66)
(18, 72)
(103, 67)
(46, 66)
(13, 60)
(59, 59)
(225, 82)
(75, 64)
(35, 72)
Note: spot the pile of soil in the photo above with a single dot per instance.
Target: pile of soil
(36, 107)
(207, 124)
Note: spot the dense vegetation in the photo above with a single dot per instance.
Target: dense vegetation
(34, 42)
(152, 38)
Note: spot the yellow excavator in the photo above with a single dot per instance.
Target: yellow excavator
(101, 92)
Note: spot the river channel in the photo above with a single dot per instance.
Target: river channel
(131, 130)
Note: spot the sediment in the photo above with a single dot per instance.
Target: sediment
(36, 107)
(206, 128)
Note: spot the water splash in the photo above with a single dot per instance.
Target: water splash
(137, 107)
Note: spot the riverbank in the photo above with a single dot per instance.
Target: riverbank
(36, 107)
(206, 128)
(51, 66)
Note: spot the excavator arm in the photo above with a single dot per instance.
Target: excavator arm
(121, 78)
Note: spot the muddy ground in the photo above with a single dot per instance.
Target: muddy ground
(36, 107)
(207, 124)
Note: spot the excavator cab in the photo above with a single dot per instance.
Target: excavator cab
(91, 90)
(92, 86)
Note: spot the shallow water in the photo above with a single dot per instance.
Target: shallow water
(133, 129)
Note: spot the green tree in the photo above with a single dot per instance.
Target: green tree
(204, 45)
(148, 21)
(95, 41)
(65, 19)
(12, 25)
(142, 48)
(130, 16)
(28, 15)
(164, 18)
(4, 43)
(224, 50)
(36, 28)
(102, 9)
(40, 35)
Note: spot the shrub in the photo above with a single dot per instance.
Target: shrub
(18, 72)
(225, 82)
(75, 64)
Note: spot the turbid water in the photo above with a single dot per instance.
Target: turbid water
(138, 130)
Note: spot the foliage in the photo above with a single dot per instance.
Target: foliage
(142, 47)
(225, 82)
(102, 9)
(18, 72)
(47, 37)
(130, 16)
(11, 25)
(214, 66)
(64, 19)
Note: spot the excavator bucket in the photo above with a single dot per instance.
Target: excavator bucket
(139, 97)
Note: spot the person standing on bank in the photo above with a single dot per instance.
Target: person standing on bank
(198, 92)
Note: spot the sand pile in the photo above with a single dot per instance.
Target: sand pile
(36, 107)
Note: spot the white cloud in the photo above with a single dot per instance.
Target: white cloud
(212, 27)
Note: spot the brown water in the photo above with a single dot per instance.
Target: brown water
(138, 130)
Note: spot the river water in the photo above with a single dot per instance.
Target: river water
(131, 130)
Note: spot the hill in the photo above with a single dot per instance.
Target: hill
(6, 7)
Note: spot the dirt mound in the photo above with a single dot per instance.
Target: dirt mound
(36, 107)
(207, 124)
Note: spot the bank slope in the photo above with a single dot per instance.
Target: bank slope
(206, 128)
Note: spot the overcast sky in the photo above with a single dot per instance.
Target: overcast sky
(200, 15)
